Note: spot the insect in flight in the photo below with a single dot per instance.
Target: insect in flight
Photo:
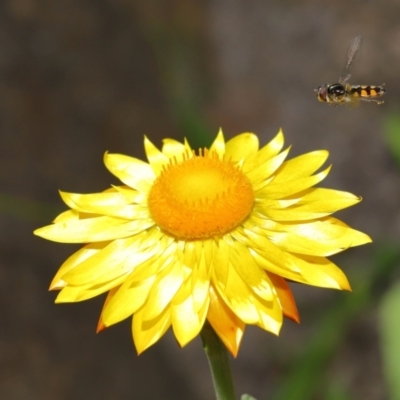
(342, 92)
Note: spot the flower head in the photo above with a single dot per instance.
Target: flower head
(209, 235)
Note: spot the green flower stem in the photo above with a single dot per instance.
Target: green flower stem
(218, 360)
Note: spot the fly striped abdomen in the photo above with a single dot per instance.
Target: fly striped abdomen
(366, 92)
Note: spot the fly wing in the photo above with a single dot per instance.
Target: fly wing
(351, 55)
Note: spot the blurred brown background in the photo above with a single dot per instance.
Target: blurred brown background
(79, 77)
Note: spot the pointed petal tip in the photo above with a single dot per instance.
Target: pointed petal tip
(292, 317)
(280, 136)
(220, 135)
(231, 343)
(344, 285)
(105, 156)
(233, 350)
(347, 287)
(100, 326)
(36, 232)
(364, 240)
(147, 142)
(57, 284)
(328, 168)
(231, 338)
(275, 330)
(139, 351)
(42, 232)
(139, 348)
(64, 195)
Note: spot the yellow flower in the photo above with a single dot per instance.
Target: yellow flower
(213, 235)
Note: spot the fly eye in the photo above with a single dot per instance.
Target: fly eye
(337, 90)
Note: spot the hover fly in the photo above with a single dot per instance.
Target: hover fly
(342, 92)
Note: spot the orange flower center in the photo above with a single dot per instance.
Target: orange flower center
(200, 197)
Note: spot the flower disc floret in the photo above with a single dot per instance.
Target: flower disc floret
(200, 197)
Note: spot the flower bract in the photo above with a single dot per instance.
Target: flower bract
(213, 234)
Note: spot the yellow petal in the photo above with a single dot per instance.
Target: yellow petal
(320, 199)
(219, 144)
(239, 297)
(132, 195)
(317, 238)
(281, 190)
(107, 204)
(267, 152)
(74, 260)
(117, 259)
(301, 166)
(65, 216)
(305, 212)
(156, 158)
(186, 321)
(164, 253)
(98, 229)
(110, 295)
(316, 271)
(208, 251)
(336, 198)
(133, 172)
(261, 173)
(84, 202)
(270, 315)
(250, 272)
(70, 294)
(168, 282)
(146, 333)
(126, 300)
(285, 296)
(221, 263)
(241, 147)
(174, 149)
(250, 308)
(200, 283)
(187, 145)
(225, 323)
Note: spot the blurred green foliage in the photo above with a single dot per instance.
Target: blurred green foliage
(28, 209)
(390, 304)
(390, 336)
(247, 397)
(176, 49)
(392, 136)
